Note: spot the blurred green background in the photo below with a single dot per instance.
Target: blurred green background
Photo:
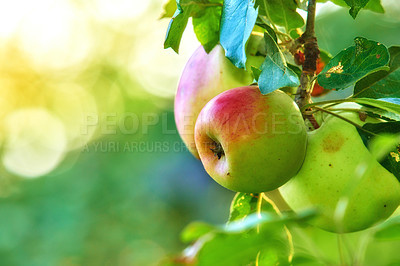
(93, 171)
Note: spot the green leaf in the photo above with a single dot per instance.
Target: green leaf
(242, 205)
(392, 162)
(306, 260)
(281, 12)
(295, 69)
(237, 22)
(325, 56)
(206, 21)
(169, 9)
(354, 63)
(266, 220)
(238, 243)
(356, 6)
(269, 257)
(384, 114)
(373, 5)
(382, 84)
(381, 114)
(389, 115)
(275, 73)
(270, 30)
(176, 28)
(383, 144)
(238, 249)
(251, 221)
(378, 85)
(382, 104)
(391, 100)
(195, 230)
(241, 245)
(256, 73)
(385, 147)
(389, 230)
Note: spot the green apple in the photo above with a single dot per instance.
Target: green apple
(249, 142)
(342, 180)
(204, 77)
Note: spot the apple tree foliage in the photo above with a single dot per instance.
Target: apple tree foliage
(256, 232)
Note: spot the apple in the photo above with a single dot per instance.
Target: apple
(249, 142)
(342, 180)
(204, 77)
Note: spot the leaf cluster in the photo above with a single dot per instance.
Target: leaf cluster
(254, 235)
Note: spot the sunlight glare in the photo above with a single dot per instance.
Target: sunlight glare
(11, 15)
(35, 142)
(73, 105)
(119, 9)
(160, 68)
(55, 35)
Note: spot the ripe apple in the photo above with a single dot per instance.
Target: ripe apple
(342, 180)
(249, 142)
(204, 77)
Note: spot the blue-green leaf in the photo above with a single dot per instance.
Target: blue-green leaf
(275, 73)
(237, 22)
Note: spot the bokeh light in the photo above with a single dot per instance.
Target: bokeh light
(35, 142)
(55, 35)
(118, 10)
(157, 76)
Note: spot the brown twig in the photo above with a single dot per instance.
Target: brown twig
(311, 53)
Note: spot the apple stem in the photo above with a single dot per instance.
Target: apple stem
(217, 150)
(311, 54)
(312, 120)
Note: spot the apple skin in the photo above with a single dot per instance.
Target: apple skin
(339, 169)
(249, 142)
(204, 77)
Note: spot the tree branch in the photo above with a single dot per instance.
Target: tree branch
(311, 53)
